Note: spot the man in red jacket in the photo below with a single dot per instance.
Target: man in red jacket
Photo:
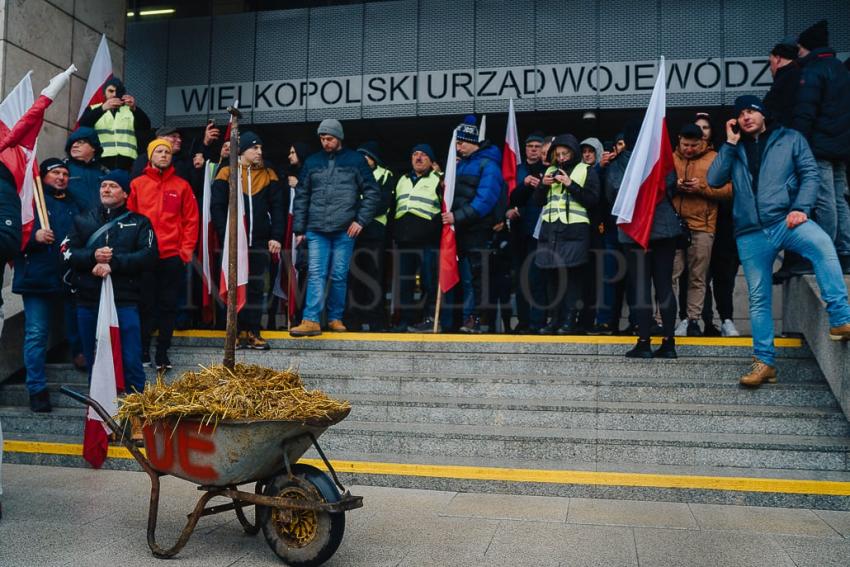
(167, 200)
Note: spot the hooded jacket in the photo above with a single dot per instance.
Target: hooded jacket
(39, 267)
(782, 96)
(167, 200)
(822, 111)
(335, 189)
(266, 201)
(699, 209)
(10, 218)
(84, 178)
(789, 180)
(479, 189)
(134, 251)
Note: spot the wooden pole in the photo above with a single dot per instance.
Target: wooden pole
(232, 236)
(437, 310)
(40, 205)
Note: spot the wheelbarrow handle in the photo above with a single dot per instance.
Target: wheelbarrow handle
(93, 404)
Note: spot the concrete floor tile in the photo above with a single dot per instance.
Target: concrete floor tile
(630, 513)
(569, 545)
(677, 548)
(839, 521)
(508, 507)
(815, 551)
(761, 520)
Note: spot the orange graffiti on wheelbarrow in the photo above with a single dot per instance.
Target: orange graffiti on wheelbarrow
(190, 443)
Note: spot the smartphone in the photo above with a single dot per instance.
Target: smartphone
(210, 122)
(608, 146)
(735, 128)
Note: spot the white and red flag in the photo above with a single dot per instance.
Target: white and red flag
(241, 249)
(644, 181)
(449, 273)
(100, 72)
(107, 376)
(510, 155)
(209, 240)
(21, 119)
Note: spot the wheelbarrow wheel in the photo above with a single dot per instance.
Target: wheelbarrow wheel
(302, 538)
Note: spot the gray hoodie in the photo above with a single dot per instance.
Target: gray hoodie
(596, 145)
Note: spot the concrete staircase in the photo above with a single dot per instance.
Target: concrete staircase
(536, 416)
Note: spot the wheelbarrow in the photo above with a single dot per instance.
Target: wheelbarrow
(300, 510)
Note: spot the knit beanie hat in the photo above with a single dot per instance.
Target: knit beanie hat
(467, 131)
(50, 164)
(372, 150)
(425, 149)
(156, 143)
(690, 132)
(331, 127)
(247, 140)
(87, 134)
(749, 101)
(815, 36)
(787, 49)
(119, 176)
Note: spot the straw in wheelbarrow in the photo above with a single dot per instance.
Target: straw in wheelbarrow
(249, 392)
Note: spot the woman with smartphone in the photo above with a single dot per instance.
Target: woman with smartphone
(568, 191)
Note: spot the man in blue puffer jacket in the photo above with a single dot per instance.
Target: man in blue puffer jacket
(480, 202)
(38, 278)
(775, 183)
(337, 196)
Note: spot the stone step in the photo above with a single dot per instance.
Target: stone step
(536, 443)
(545, 412)
(348, 363)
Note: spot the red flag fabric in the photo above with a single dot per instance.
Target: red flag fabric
(510, 155)
(101, 71)
(107, 377)
(644, 181)
(449, 275)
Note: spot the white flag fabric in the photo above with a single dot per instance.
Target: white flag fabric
(107, 369)
(482, 130)
(12, 109)
(206, 222)
(241, 249)
(100, 72)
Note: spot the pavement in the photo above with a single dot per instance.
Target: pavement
(55, 516)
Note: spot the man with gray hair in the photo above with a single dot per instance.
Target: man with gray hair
(337, 196)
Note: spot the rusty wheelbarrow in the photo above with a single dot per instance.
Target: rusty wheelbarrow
(300, 510)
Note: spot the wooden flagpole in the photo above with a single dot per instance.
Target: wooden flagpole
(40, 205)
(233, 237)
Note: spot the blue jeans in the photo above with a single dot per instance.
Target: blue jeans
(758, 250)
(327, 252)
(831, 210)
(37, 315)
(131, 343)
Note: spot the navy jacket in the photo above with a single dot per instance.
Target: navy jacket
(479, 189)
(521, 198)
(822, 111)
(39, 267)
(788, 180)
(782, 96)
(10, 218)
(84, 182)
(335, 189)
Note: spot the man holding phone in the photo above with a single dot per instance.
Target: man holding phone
(775, 184)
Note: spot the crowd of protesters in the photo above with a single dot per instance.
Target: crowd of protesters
(544, 256)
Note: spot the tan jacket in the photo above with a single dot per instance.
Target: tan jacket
(699, 209)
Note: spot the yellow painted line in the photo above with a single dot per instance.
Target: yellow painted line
(594, 478)
(498, 339)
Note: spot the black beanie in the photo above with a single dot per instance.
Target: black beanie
(372, 150)
(50, 164)
(120, 177)
(120, 90)
(690, 132)
(815, 36)
(787, 49)
(247, 140)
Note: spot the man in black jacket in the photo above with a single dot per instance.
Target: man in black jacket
(10, 225)
(822, 115)
(264, 201)
(125, 249)
(780, 99)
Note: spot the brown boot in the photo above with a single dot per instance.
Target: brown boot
(307, 328)
(759, 373)
(136, 435)
(336, 326)
(841, 333)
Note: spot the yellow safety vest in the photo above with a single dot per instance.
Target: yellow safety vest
(381, 174)
(560, 207)
(420, 200)
(116, 133)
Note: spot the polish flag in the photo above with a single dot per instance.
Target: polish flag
(645, 179)
(449, 273)
(289, 244)
(241, 249)
(21, 119)
(107, 376)
(510, 155)
(208, 241)
(101, 71)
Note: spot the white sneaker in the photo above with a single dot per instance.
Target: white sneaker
(727, 329)
(682, 328)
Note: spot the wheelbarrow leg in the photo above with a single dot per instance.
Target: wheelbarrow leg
(187, 530)
(250, 529)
